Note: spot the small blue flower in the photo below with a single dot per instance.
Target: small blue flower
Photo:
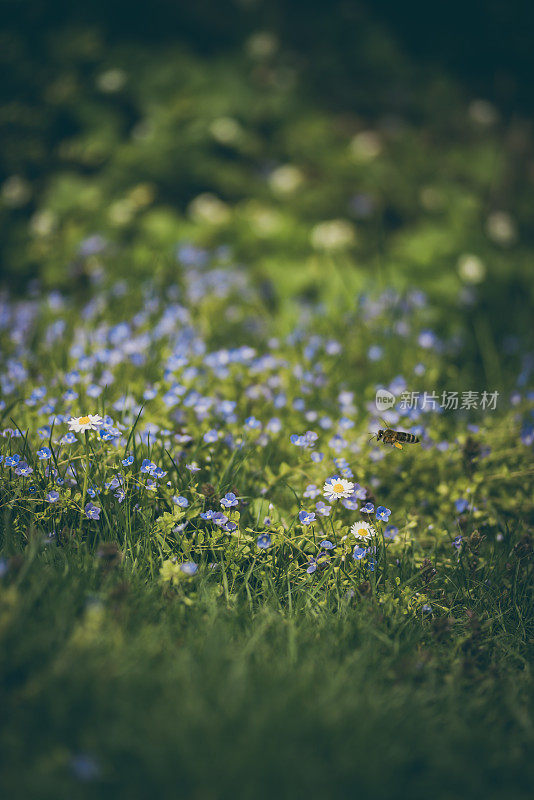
(229, 500)
(252, 423)
(85, 767)
(264, 541)
(323, 509)
(12, 461)
(92, 511)
(178, 500)
(382, 513)
(23, 469)
(527, 434)
(457, 542)
(317, 457)
(327, 545)
(52, 497)
(368, 508)
(189, 568)
(44, 453)
(390, 531)
(306, 517)
(461, 505)
(358, 553)
(312, 566)
(311, 491)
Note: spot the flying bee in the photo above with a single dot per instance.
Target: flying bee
(394, 438)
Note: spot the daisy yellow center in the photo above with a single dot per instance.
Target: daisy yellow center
(83, 420)
(362, 531)
(338, 487)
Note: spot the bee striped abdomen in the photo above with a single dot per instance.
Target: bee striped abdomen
(409, 438)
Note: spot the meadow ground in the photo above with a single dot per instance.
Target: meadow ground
(213, 582)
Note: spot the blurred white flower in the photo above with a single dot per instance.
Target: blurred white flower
(285, 179)
(365, 146)
(112, 80)
(471, 268)
(501, 228)
(226, 130)
(210, 209)
(483, 113)
(335, 234)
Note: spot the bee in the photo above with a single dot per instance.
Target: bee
(394, 438)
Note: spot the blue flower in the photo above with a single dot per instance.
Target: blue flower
(527, 434)
(317, 457)
(368, 508)
(461, 505)
(12, 461)
(264, 541)
(457, 542)
(178, 500)
(306, 517)
(23, 469)
(126, 462)
(311, 491)
(44, 453)
(382, 513)
(189, 568)
(85, 767)
(323, 509)
(92, 511)
(358, 553)
(229, 500)
(390, 531)
(148, 466)
(327, 545)
(52, 497)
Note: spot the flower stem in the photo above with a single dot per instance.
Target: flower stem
(85, 479)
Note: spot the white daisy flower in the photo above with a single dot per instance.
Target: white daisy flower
(335, 488)
(91, 422)
(362, 530)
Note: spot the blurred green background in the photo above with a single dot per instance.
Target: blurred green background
(394, 141)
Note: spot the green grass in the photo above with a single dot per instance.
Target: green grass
(205, 699)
